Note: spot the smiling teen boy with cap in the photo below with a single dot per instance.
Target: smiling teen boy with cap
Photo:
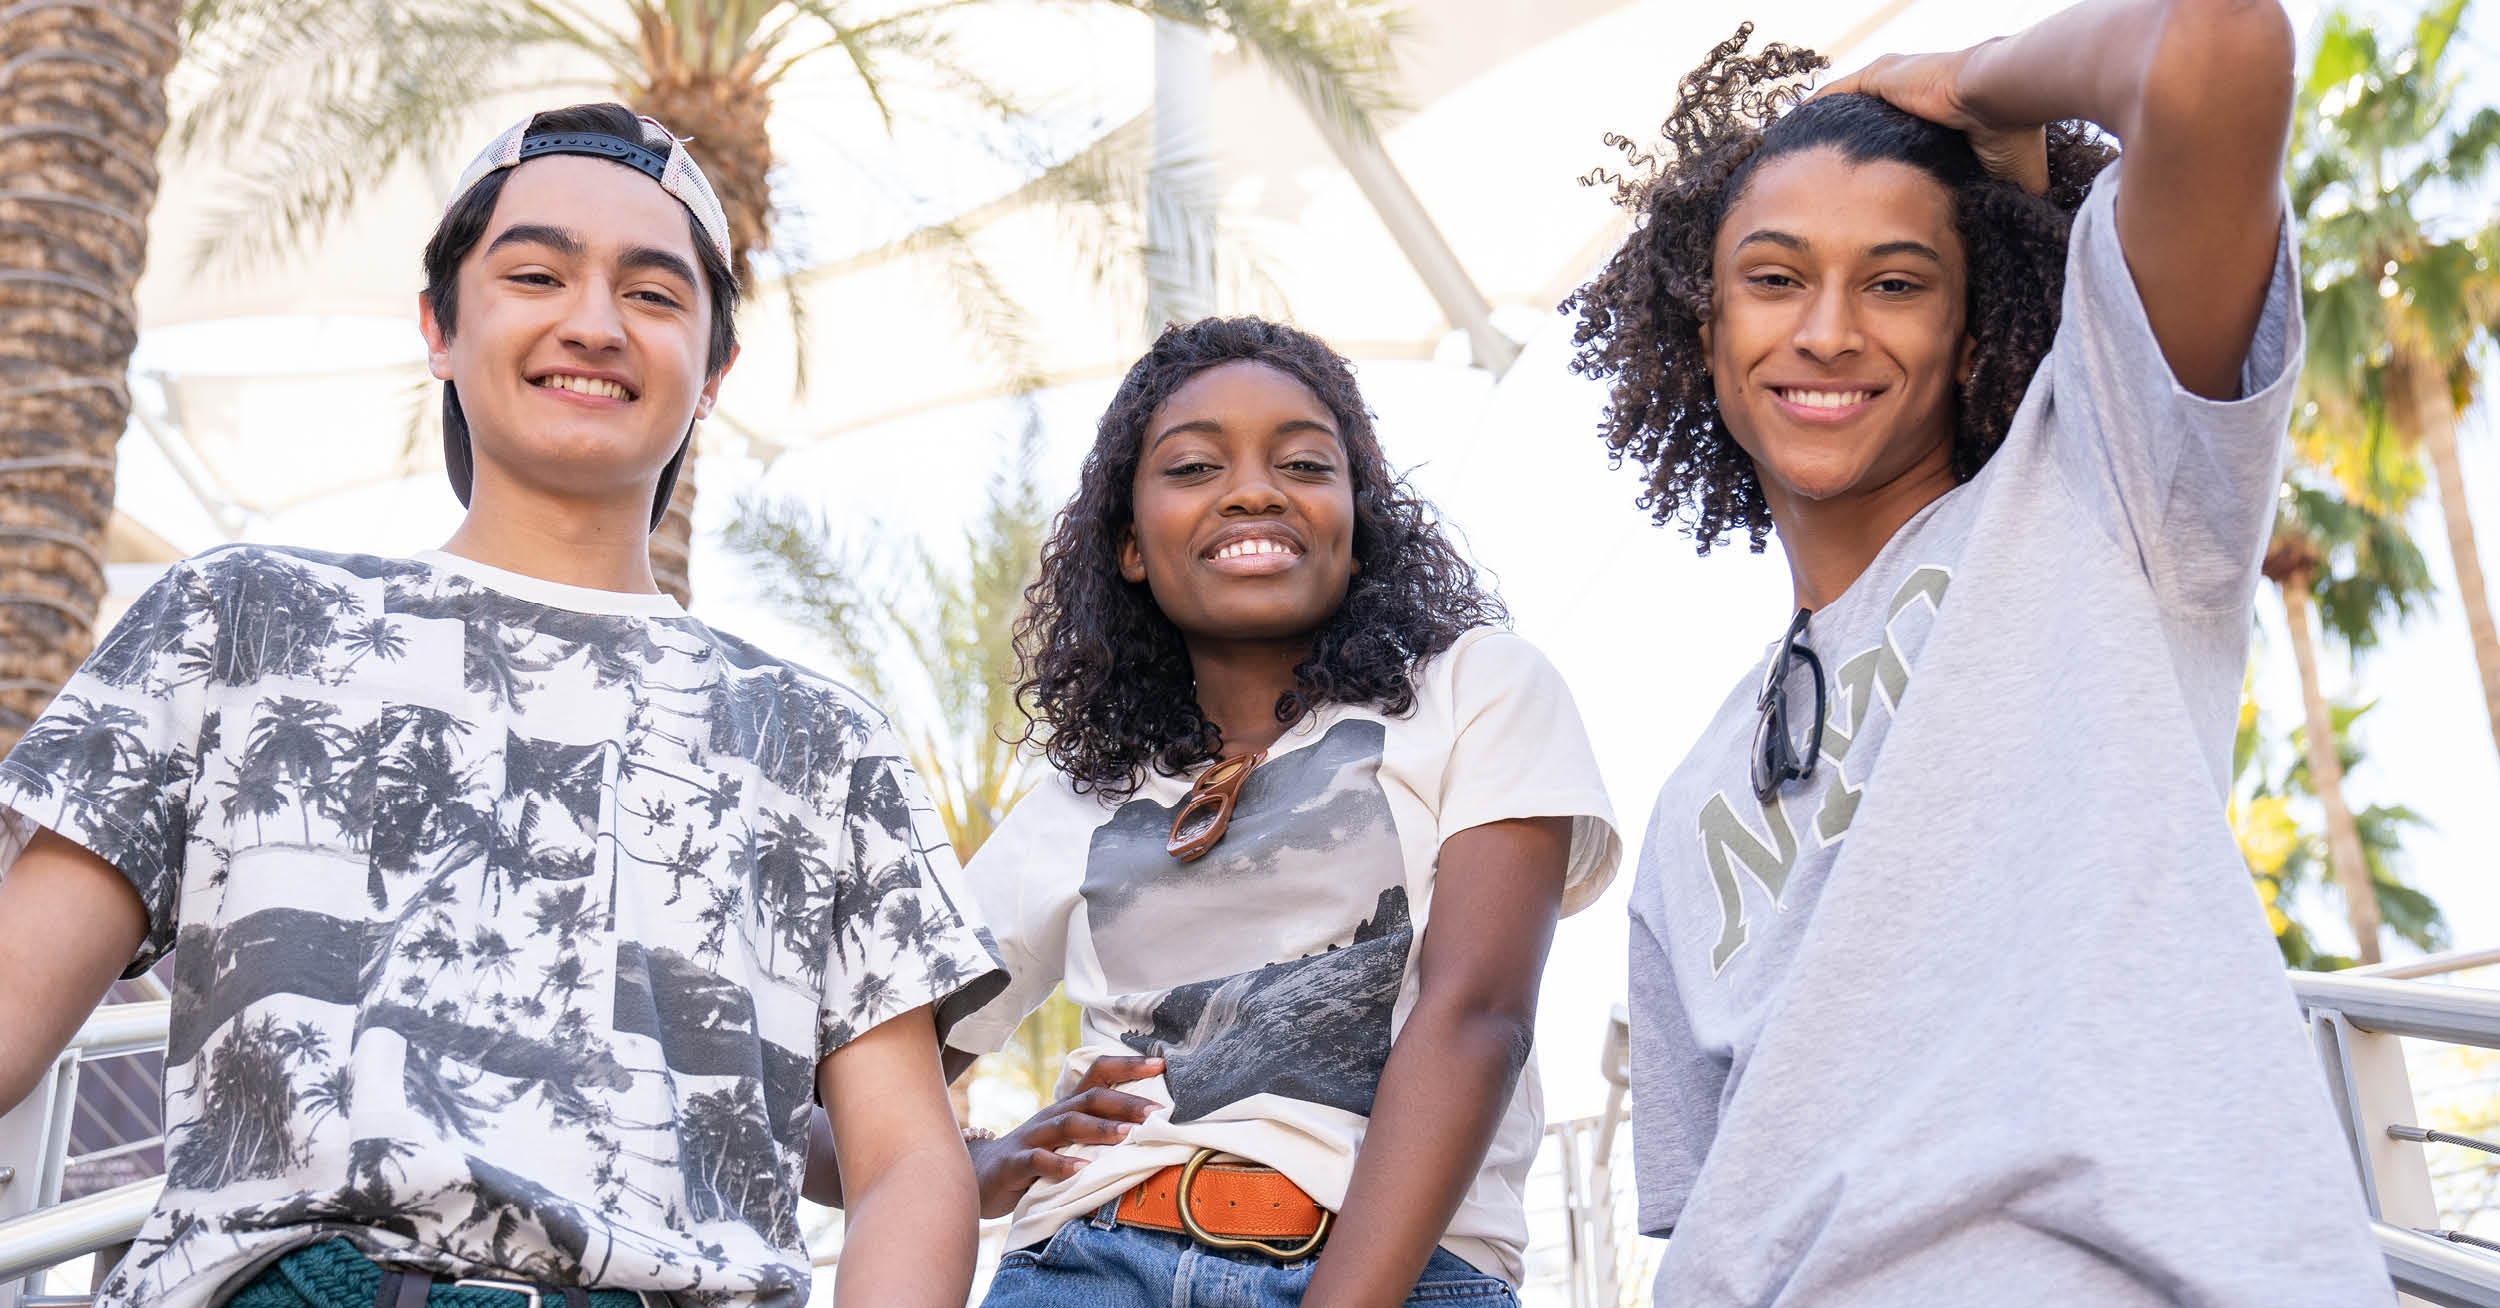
(518, 917)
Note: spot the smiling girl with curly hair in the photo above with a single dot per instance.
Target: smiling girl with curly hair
(1997, 1021)
(1310, 821)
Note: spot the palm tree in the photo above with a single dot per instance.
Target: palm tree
(2284, 855)
(81, 111)
(296, 739)
(795, 889)
(2395, 302)
(377, 636)
(2355, 566)
(254, 791)
(939, 633)
(94, 751)
(246, 1126)
(906, 626)
(321, 99)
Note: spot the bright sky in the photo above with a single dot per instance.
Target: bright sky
(1649, 636)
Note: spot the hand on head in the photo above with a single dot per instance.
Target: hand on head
(1929, 85)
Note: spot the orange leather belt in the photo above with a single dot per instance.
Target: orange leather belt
(1229, 1206)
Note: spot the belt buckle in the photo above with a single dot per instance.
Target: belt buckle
(1189, 1221)
(512, 1287)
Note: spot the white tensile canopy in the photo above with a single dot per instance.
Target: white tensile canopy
(284, 391)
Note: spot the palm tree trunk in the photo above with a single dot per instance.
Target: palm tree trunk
(82, 107)
(672, 542)
(722, 121)
(2435, 417)
(2326, 775)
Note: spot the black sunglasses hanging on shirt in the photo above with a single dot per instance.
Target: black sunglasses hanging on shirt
(1775, 758)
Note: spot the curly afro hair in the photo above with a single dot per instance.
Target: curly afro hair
(1108, 689)
(1640, 319)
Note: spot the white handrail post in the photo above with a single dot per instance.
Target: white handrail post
(2366, 1076)
(34, 1140)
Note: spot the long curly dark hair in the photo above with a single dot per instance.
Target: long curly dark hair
(1640, 319)
(1108, 690)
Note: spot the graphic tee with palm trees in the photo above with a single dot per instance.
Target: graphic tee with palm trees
(510, 919)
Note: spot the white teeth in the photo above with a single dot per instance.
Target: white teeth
(1826, 399)
(1257, 545)
(585, 385)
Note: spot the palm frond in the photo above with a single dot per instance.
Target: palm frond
(1098, 194)
(903, 617)
(2433, 31)
(335, 153)
(315, 106)
(2472, 151)
(1336, 56)
(256, 73)
(993, 319)
(810, 575)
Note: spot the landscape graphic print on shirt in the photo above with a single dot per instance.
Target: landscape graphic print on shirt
(1273, 964)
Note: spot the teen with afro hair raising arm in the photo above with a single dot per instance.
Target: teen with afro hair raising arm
(1999, 1019)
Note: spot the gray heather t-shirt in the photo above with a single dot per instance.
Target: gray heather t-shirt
(1999, 1020)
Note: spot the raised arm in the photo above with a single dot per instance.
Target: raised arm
(2199, 94)
(1456, 1061)
(69, 924)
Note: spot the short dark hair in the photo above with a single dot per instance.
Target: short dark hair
(464, 225)
(1107, 686)
(1640, 319)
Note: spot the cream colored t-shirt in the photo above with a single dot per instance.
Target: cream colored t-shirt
(1273, 974)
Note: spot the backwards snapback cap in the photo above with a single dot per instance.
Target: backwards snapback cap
(660, 156)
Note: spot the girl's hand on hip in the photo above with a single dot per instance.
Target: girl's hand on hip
(1093, 1114)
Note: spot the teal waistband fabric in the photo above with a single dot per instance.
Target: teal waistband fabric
(332, 1274)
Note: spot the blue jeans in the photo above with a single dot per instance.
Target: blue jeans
(1093, 1262)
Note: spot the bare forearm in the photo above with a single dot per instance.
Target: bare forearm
(2134, 66)
(1442, 1095)
(908, 1238)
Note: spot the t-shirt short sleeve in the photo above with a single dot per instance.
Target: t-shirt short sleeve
(1518, 750)
(113, 761)
(2188, 483)
(905, 932)
(1012, 878)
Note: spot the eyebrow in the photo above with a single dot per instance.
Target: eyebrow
(1916, 249)
(1886, 250)
(554, 238)
(1210, 427)
(570, 246)
(1770, 237)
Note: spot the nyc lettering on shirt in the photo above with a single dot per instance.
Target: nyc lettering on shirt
(1803, 821)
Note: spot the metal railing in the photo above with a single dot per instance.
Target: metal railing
(37, 1230)
(1586, 1148)
(2357, 1020)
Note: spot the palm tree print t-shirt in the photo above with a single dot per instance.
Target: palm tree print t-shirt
(510, 919)
(1273, 974)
